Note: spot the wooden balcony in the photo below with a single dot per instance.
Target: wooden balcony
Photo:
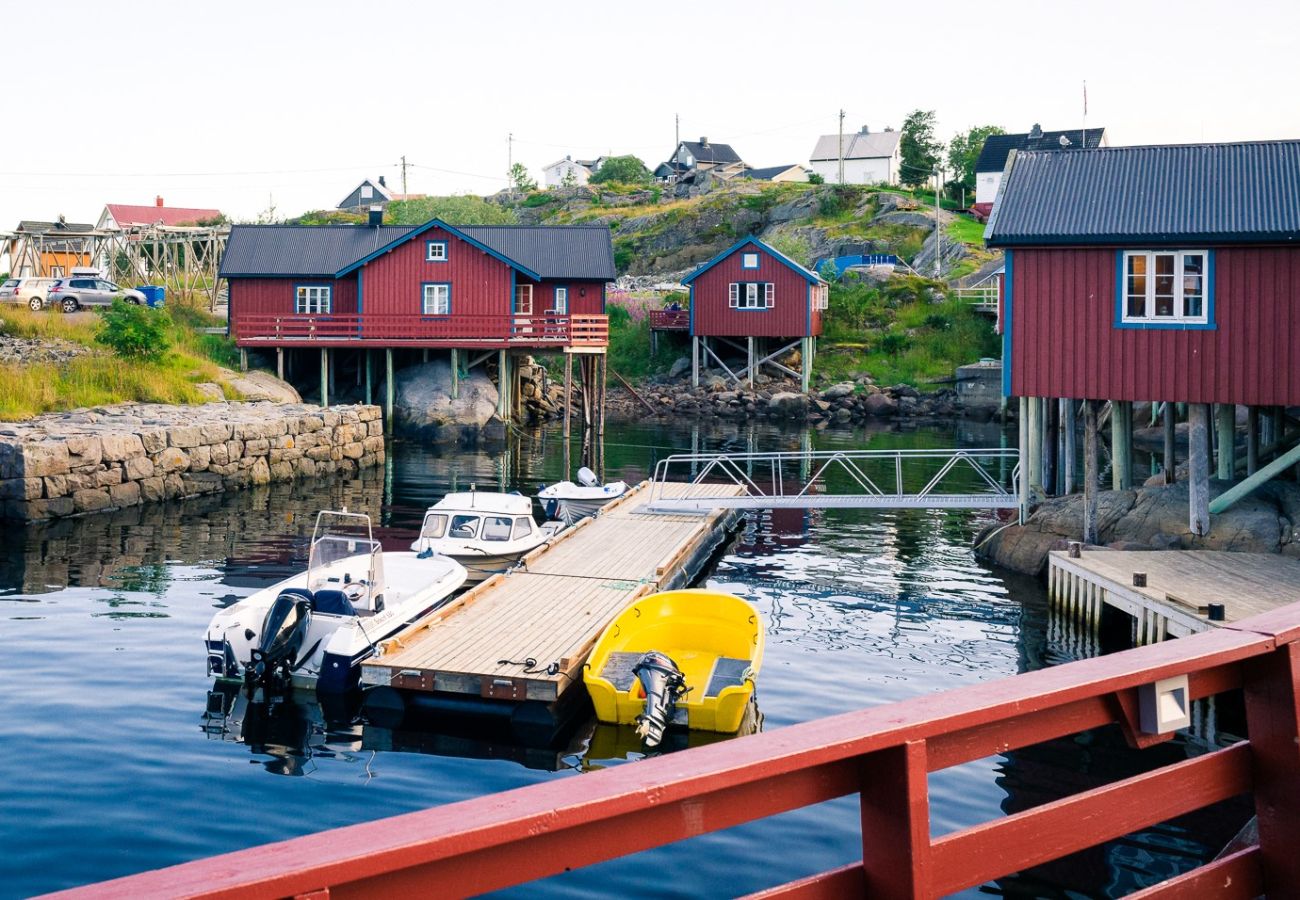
(670, 319)
(488, 332)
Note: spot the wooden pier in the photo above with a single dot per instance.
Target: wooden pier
(1179, 589)
(523, 636)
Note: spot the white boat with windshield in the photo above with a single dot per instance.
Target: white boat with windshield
(570, 502)
(485, 531)
(314, 629)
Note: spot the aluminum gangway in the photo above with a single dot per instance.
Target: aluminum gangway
(838, 479)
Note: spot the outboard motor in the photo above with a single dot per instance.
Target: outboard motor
(663, 683)
(587, 478)
(283, 631)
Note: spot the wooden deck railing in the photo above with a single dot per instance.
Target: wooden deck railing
(670, 319)
(458, 330)
(883, 754)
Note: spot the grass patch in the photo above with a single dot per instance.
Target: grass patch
(966, 231)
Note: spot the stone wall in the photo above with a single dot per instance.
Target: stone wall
(67, 464)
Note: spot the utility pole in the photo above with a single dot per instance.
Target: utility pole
(404, 173)
(677, 133)
(841, 179)
(510, 154)
(938, 227)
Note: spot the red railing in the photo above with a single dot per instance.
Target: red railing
(670, 319)
(882, 754)
(542, 330)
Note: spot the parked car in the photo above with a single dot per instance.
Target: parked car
(32, 291)
(71, 294)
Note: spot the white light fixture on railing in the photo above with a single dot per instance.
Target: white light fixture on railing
(1165, 705)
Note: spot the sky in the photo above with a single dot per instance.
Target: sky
(251, 106)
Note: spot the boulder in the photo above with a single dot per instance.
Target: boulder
(680, 367)
(836, 391)
(788, 405)
(879, 405)
(423, 401)
(257, 385)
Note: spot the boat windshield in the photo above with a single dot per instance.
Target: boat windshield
(496, 528)
(523, 527)
(435, 526)
(464, 527)
(346, 557)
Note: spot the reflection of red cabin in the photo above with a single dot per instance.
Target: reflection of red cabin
(757, 293)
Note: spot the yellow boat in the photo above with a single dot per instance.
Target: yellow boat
(715, 641)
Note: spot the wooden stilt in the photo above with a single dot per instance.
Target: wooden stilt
(568, 408)
(455, 374)
(390, 389)
(805, 364)
(1267, 433)
(1067, 445)
(1036, 447)
(695, 361)
(324, 376)
(1225, 427)
(369, 364)
(1090, 471)
(243, 359)
(279, 363)
(1252, 439)
(600, 412)
(1121, 445)
(749, 362)
(502, 409)
(1051, 441)
(1023, 487)
(1171, 456)
(1198, 468)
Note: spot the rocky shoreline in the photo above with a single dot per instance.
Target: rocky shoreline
(68, 464)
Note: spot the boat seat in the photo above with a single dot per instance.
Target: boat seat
(618, 669)
(335, 603)
(727, 672)
(298, 592)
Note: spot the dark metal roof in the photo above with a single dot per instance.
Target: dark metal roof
(1192, 193)
(993, 155)
(769, 172)
(552, 251)
(711, 152)
(30, 226)
(305, 250)
(579, 252)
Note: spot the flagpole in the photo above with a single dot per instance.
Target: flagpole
(1084, 134)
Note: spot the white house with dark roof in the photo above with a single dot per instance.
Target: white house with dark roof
(870, 157)
(570, 172)
(993, 156)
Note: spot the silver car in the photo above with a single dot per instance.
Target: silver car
(71, 294)
(32, 291)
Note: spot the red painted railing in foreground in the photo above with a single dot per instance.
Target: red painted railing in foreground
(670, 319)
(544, 330)
(883, 754)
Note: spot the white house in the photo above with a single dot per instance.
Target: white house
(993, 156)
(869, 157)
(570, 172)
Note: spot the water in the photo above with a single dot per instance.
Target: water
(106, 769)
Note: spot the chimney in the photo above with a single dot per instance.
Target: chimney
(1036, 131)
(866, 129)
(381, 182)
(157, 201)
(376, 216)
(704, 142)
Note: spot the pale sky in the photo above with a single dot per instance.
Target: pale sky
(235, 104)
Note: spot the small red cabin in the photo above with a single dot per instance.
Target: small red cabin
(755, 292)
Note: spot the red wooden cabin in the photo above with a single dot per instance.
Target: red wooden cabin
(755, 292)
(1178, 282)
(359, 288)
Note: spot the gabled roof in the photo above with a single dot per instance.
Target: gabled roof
(1180, 194)
(993, 155)
(806, 274)
(861, 145)
(30, 226)
(126, 215)
(769, 172)
(379, 189)
(710, 152)
(330, 251)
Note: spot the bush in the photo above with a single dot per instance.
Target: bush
(625, 169)
(135, 332)
(894, 343)
(815, 178)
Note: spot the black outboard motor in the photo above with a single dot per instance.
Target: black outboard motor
(663, 683)
(283, 632)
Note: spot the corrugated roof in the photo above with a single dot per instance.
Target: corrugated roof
(126, 215)
(1179, 194)
(859, 145)
(307, 250)
(769, 171)
(711, 152)
(993, 155)
(30, 226)
(574, 251)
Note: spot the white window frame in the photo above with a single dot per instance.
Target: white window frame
(821, 297)
(441, 297)
(1180, 278)
(561, 305)
(429, 252)
(313, 300)
(523, 300)
(751, 295)
(745, 260)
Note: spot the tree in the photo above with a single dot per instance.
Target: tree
(964, 151)
(135, 332)
(570, 177)
(919, 147)
(625, 169)
(520, 180)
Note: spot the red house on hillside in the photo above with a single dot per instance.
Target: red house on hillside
(755, 292)
(1178, 282)
(354, 289)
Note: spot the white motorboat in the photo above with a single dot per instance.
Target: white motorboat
(314, 629)
(570, 502)
(485, 531)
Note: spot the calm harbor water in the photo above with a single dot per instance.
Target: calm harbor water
(107, 769)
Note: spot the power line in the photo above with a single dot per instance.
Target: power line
(188, 174)
(457, 172)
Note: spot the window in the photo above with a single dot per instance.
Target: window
(524, 299)
(464, 528)
(367, 192)
(749, 260)
(496, 528)
(56, 271)
(752, 295)
(820, 296)
(311, 299)
(1159, 287)
(435, 251)
(437, 299)
(435, 526)
(523, 528)
(561, 301)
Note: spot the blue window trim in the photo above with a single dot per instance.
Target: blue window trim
(1210, 324)
(762, 296)
(555, 299)
(428, 246)
(1008, 280)
(758, 260)
(328, 285)
(807, 307)
(426, 315)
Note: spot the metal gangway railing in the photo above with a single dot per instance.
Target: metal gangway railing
(838, 479)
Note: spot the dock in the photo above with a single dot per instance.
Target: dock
(521, 637)
(1170, 593)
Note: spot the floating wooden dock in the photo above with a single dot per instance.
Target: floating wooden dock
(524, 635)
(1180, 587)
